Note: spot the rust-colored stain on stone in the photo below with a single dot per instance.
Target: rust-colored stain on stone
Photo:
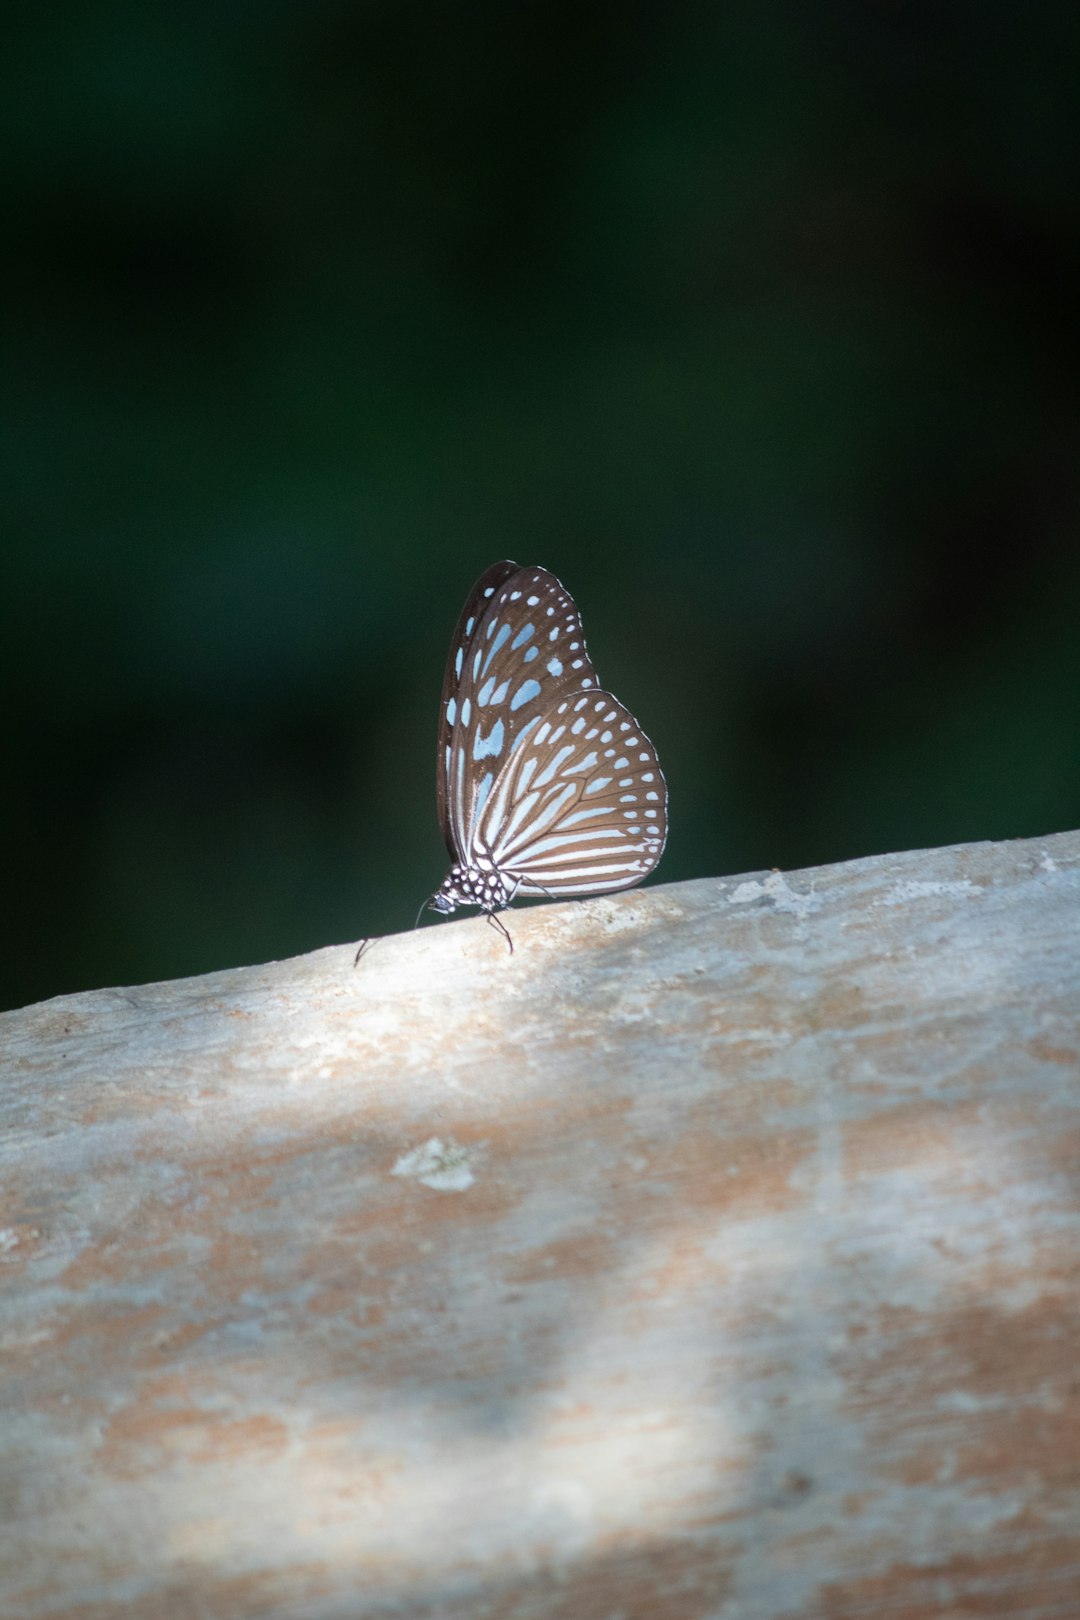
(751, 1172)
(1046, 1052)
(159, 1427)
(930, 1136)
(585, 1257)
(1010, 1576)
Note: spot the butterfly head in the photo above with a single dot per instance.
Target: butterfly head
(442, 901)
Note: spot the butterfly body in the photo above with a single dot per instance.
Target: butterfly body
(546, 783)
(472, 886)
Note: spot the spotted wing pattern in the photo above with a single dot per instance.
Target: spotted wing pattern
(518, 648)
(544, 779)
(581, 805)
(477, 601)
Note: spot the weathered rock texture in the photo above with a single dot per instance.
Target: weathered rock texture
(717, 1254)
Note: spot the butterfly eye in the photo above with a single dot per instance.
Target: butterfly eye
(547, 785)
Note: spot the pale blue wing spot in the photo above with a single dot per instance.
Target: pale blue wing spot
(466, 711)
(549, 772)
(469, 627)
(525, 694)
(523, 810)
(451, 711)
(598, 784)
(457, 776)
(525, 735)
(482, 791)
(560, 841)
(554, 666)
(585, 815)
(491, 744)
(532, 653)
(500, 641)
(524, 634)
(458, 662)
(499, 694)
(551, 807)
(483, 697)
(587, 764)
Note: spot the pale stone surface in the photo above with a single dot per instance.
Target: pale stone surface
(717, 1254)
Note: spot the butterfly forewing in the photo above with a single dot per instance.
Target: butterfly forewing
(518, 650)
(476, 602)
(581, 806)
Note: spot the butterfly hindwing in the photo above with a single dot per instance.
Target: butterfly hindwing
(581, 806)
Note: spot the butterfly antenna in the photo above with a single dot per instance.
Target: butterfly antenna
(420, 913)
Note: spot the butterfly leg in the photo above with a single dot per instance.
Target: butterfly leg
(497, 922)
(360, 949)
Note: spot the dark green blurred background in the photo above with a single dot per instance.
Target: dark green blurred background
(757, 325)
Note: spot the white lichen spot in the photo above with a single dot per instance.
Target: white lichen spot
(777, 889)
(438, 1164)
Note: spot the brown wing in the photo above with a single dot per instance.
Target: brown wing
(518, 648)
(476, 603)
(581, 805)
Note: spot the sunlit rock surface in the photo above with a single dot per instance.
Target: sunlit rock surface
(716, 1254)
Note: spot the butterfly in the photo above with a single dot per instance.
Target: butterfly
(546, 784)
